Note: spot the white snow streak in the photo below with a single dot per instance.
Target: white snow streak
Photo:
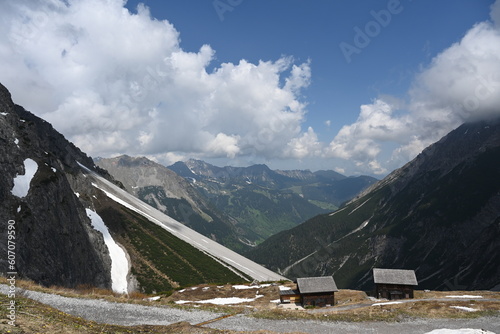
(244, 287)
(387, 303)
(119, 262)
(464, 308)
(22, 182)
(359, 206)
(221, 301)
(465, 296)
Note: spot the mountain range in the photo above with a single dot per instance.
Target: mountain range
(439, 215)
(265, 201)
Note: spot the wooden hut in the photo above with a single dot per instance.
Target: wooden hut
(394, 283)
(317, 291)
(289, 296)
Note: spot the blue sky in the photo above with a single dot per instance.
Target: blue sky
(236, 82)
(267, 29)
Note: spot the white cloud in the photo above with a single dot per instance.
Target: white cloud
(224, 144)
(461, 84)
(113, 81)
(361, 141)
(305, 146)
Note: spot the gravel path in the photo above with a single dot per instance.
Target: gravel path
(118, 313)
(242, 323)
(129, 314)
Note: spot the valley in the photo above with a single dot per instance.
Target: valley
(237, 206)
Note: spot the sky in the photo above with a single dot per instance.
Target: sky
(360, 87)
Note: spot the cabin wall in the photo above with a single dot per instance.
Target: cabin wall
(394, 291)
(318, 299)
(290, 299)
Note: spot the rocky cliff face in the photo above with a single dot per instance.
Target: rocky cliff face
(439, 215)
(55, 242)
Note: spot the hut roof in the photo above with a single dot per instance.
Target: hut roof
(394, 276)
(316, 284)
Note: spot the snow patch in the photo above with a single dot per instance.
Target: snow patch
(154, 298)
(19, 209)
(119, 262)
(245, 287)
(387, 303)
(77, 195)
(465, 296)
(284, 288)
(22, 182)
(221, 301)
(53, 169)
(464, 308)
(4, 113)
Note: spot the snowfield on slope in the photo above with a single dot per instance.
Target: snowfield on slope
(119, 262)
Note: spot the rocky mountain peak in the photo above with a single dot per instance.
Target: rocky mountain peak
(52, 228)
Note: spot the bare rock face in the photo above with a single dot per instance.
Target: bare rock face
(55, 242)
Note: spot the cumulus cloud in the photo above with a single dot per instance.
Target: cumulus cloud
(461, 84)
(361, 141)
(305, 146)
(114, 81)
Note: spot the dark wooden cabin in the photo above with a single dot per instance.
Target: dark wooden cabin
(317, 291)
(394, 283)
